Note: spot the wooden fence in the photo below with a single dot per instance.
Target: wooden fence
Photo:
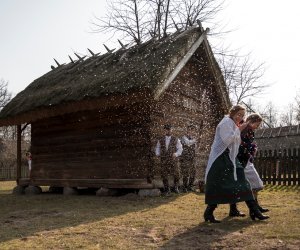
(8, 172)
(279, 167)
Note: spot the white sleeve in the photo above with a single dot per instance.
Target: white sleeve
(228, 133)
(178, 148)
(188, 142)
(157, 149)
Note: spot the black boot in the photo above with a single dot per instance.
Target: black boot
(263, 210)
(166, 190)
(208, 214)
(254, 211)
(234, 212)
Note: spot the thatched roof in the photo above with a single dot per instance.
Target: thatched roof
(141, 68)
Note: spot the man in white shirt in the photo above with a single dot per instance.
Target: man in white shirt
(169, 148)
(187, 159)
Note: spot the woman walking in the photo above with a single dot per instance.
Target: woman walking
(225, 178)
(247, 153)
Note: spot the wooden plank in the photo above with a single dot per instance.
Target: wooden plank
(280, 165)
(289, 166)
(265, 167)
(82, 126)
(271, 165)
(284, 168)
(275, 173)
(97, 183)
(298, 166)
(294, 166)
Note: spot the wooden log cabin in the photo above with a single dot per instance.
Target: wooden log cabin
(95, 122)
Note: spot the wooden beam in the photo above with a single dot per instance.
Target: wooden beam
(97, 183)
(19, 132)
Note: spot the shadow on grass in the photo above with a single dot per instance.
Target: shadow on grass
(23, 216)
(207, 235)
(294, 188)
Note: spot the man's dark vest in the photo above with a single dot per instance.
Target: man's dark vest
(188, 152)
(166, 155)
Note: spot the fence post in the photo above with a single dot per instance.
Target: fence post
(264, 166)
(284, 168)
(269, 166)
(274, 167)
(258, 163)
(279, 165)
(294, 167)
(298, 166)
(289, 166)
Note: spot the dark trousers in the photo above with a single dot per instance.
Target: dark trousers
(170, 168)
(188, 172)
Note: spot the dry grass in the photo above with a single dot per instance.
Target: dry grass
(50, 221)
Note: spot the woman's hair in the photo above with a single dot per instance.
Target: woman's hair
(235, 109)
(255, 117)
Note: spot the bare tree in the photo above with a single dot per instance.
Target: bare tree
(288, 118)
(129, 17)
(5, 96)
(270, 114)
(242, 76)
(140, 20)
(297, 106)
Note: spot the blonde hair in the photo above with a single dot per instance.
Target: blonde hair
(255, 117)
(236, 108)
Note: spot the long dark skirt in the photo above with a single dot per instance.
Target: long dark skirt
(221, 188)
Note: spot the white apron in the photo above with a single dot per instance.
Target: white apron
(252, 176)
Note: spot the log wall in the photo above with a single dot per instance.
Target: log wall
(189, 100)
(92, 145)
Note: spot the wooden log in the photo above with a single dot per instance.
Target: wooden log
(19, 153)
(97, 183)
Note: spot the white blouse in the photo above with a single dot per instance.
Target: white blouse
(228, 135)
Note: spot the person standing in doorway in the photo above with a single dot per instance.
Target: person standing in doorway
(29, 160)
(169, 148)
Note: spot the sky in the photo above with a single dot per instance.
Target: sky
(33, 32)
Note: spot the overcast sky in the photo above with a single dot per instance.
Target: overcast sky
(33, 32)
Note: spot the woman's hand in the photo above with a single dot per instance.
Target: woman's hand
(243, 126)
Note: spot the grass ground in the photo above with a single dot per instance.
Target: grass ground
(51, 221)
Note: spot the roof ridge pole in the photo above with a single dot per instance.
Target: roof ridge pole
(162, 87)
